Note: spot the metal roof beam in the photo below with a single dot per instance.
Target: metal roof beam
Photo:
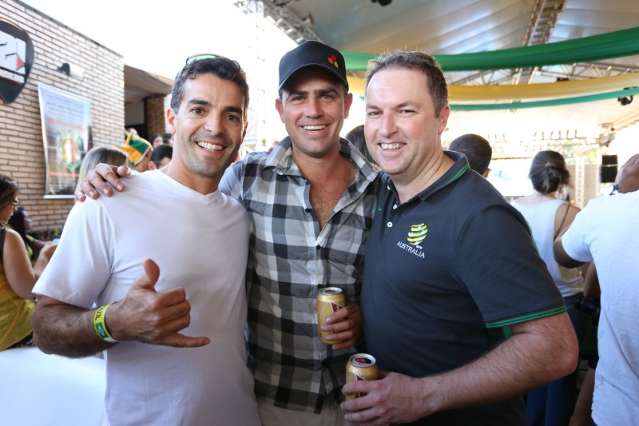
(542, 21)
(294, 26)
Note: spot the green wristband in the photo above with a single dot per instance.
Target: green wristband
(99, 324)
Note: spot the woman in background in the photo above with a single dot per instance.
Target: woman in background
(549, 216)
(17, 276)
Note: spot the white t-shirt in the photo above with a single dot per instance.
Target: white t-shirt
(200, 242)
(606, 232)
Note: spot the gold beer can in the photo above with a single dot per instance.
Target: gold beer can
(329, 300)
(361, 367)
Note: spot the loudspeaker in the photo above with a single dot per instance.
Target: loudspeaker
(608, 170)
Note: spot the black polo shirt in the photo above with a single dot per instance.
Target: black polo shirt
(445, 275)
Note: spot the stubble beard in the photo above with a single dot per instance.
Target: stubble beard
(200, 167)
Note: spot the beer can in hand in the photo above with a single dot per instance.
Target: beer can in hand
(329, 300)
(361, 367)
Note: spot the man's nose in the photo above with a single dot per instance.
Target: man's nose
(312, 107)
(388, 125)
(213, 124)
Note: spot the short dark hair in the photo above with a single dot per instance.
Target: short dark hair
(628, 180)
(476, 149)
(161, 151)
(166, 138)
(419, 61)
(357, 138)
(548, 171)
(224, 68)
(17, 222)
(8, 190)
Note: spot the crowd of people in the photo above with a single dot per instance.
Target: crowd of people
(470, 305)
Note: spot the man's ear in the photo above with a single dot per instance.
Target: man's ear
(443, 118)
(279, 106)
(348, 101)
(170, 120)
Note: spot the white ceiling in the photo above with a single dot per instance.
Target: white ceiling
(464, 26)
(456, 26)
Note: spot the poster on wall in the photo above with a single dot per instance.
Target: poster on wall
(66, 121)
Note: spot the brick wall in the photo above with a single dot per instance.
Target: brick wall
(21, 147)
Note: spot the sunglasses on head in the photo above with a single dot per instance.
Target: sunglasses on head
(202, 56)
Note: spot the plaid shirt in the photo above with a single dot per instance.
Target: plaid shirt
(290, 258)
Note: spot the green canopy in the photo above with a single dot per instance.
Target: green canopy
(546, 103)
(587, 49)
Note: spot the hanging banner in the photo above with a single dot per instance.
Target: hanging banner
(498, 92)
(66, 121)
(587, 49)
(16, 60)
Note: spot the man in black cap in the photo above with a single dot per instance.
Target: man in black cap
(311, 201)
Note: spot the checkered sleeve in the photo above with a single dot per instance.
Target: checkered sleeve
(231, 182)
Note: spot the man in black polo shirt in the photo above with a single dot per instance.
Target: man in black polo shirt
(456, 303)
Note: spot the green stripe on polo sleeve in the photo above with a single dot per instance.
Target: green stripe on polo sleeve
(527, 317)
(508, 332)
(459, 174)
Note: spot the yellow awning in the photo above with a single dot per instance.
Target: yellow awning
(525, 91)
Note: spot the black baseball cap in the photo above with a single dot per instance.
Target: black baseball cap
(313, 54)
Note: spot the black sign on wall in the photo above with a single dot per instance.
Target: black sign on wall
(16, 60)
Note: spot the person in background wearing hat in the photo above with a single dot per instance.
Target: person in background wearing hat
(311, 200)
(138, 152)
(171, 301)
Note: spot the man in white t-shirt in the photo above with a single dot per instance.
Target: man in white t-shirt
(163, 263)
(605, 232)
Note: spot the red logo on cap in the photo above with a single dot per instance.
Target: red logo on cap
(332, 59)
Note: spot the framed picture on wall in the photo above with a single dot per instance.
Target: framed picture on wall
(66, 123)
